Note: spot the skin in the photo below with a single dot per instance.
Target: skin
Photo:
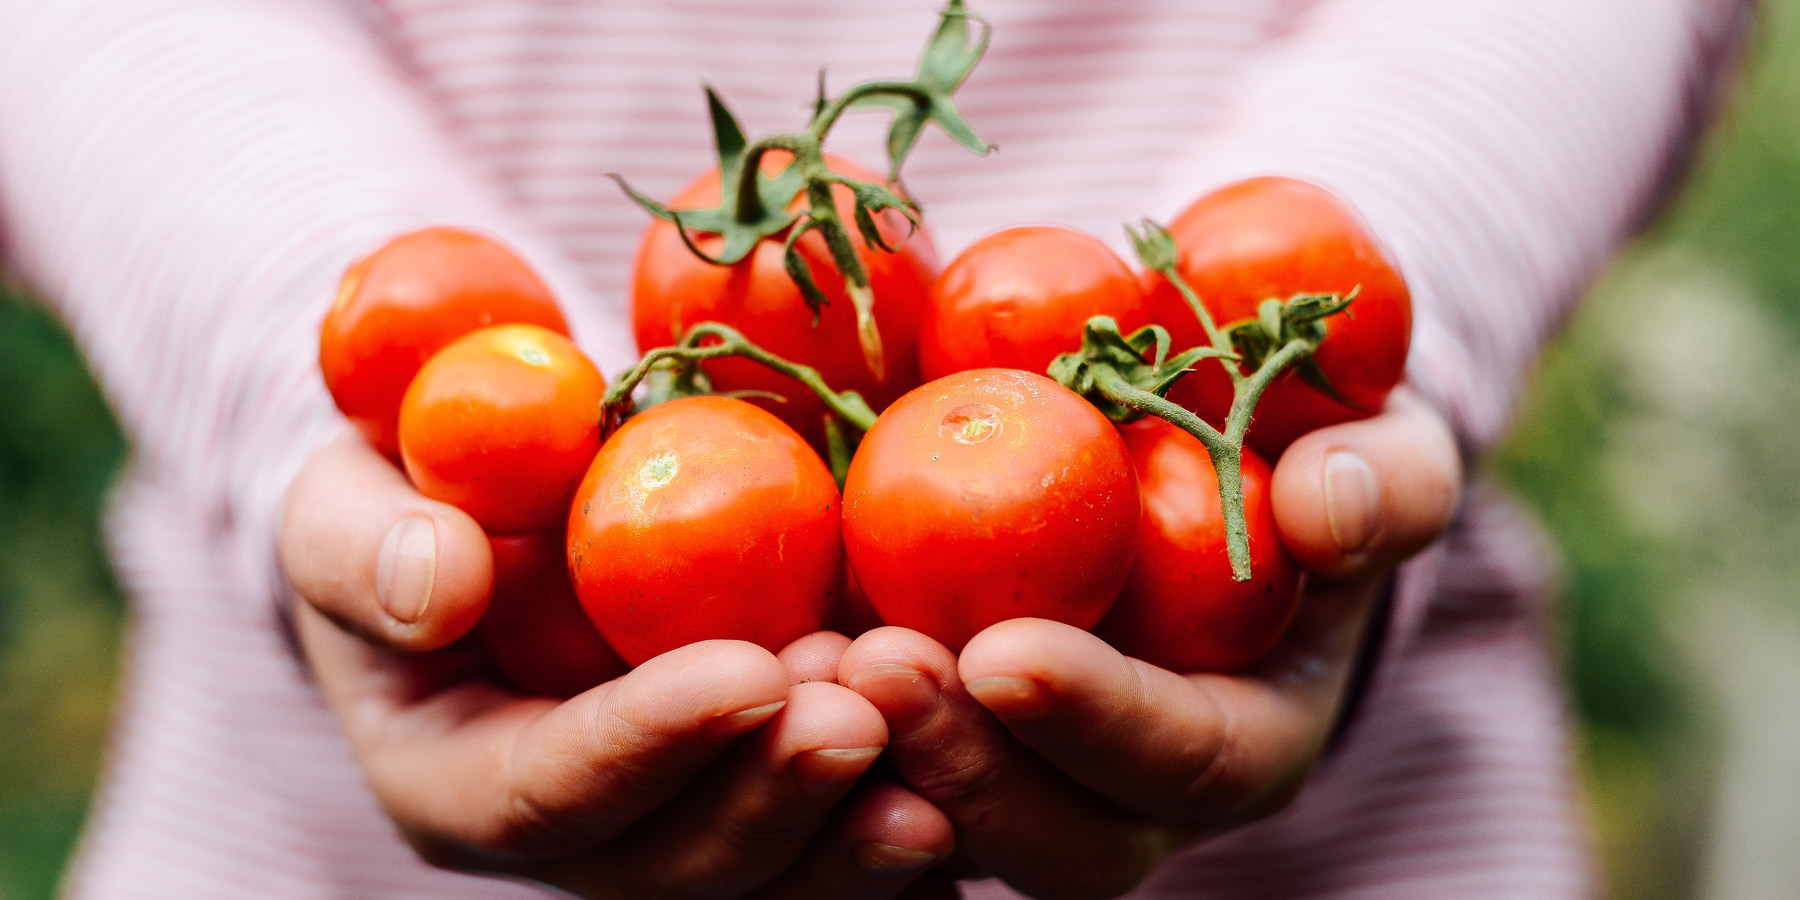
(703, 518)
(717, 770)
(989, 495)
(1180, 608)
(502, 423)
(1018, 297)
(1274, 237)
(534, 629)
(672, 290)
(1070, 770)
(406, 301)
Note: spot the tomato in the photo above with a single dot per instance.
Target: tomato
(704, 518)
(1275, 237)
(672, 290)
(1181, 609)
(1017, 298)
(534, 628)
(501, 424)
(403, 303)
(989, 495)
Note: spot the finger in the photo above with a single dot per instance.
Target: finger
(1015, 815)
(814, 657)
(751, 816)
(1202, 749)
(476, 775)
(378, 558)
(879, 844)
(1355, 499)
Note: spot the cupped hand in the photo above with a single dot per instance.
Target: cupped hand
(1070, 770)
(716, 770)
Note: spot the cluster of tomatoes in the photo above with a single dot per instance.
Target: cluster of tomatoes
(982, 492)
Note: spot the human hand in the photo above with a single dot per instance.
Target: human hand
(1070, 770)
(716, 770)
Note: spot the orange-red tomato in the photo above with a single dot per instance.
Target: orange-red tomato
(1275, 237)
(672, 290)
(403, 303)
(989, 495)
(534, 628)
(705, 518)
(1017, 298)
(1180, 609)
(501, 424)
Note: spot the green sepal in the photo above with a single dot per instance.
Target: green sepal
(1104, 347)
(728, 135)
(1278, 322)
(801, 273)
(948, 59)
(1154, 245)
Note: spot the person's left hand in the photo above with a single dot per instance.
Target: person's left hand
(1070, 770)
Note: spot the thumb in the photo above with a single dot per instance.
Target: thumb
(373, 555)
(1356, 499)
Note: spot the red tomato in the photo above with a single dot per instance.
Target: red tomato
(989, 495)
(1275, 237)
(406, 301)
(1017, 298)
(501, 424)
(705, 518)
(673, 290)
(1181, 609)
(534, 627)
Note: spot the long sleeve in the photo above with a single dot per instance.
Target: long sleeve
(185, 180)
(1502, 149)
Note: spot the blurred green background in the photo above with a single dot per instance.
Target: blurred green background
(1660, 444)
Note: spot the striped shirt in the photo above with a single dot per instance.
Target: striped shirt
(185, 180)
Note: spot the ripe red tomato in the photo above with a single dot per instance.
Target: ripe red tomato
(704, 518)
(501, 424)
(1017, 298)
(1181, 609)
(989, 495)
(672, 290)
(534, 628)
(406, 301)
(1275, 237)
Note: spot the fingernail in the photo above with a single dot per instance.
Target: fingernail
(1012, 698)
(889, 861)
(407, 568)
(822, 771)
(907, 698)
(731, 725)
(1351, 500)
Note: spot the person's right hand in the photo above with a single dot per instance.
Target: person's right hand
(715, 770)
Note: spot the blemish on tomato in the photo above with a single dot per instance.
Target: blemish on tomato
(658, 469)
(971, 423)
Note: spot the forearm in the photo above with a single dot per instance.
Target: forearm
(185, 180)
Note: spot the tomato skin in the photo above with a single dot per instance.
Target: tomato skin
(1018, 297)
(1180, 609)
(534, 628)
(705, 518)
(409, 299)
(1275, 237)
(672, 290)
(953, 524)
(502, 424)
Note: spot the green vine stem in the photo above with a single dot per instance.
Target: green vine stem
(1111, 370)
(847, 408)
(754, 206)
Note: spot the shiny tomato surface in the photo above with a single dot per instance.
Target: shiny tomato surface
(705, 518)
(990, 495)
(534, 628)
(1017, 298)
(502, 424)
(403, 303)
(1276, 237)
(673, 290)
(1180, 608)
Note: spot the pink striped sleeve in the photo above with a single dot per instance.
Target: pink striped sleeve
(1503, 149)
(185, 180)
